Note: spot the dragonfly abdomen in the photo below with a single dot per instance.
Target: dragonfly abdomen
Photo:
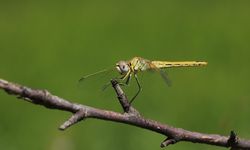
(169, 64)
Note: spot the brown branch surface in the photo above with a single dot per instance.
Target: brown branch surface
(130, 116)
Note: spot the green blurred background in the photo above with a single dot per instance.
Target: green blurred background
(50, 45)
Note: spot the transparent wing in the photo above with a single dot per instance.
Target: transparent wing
(98, 80)
(91, 86)
(165, 77)
(163, 74)
(94, 74)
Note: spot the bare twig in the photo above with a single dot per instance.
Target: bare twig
(131, 116)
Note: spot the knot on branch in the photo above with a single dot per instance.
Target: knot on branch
(232, 140)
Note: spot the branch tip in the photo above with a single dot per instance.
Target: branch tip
(121, 96)
(113, 82)
(77, 117)
(233, 139)
(167, 142)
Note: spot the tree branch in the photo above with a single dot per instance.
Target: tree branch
(130, 116)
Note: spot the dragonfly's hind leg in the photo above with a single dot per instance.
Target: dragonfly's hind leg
(139, 89)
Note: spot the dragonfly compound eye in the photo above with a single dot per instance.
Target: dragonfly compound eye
(122, 67)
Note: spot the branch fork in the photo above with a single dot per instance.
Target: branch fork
(129, 116)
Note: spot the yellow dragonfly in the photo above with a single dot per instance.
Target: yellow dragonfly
(131, 68)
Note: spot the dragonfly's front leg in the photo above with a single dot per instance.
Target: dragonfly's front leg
(139, 89)
(128, 79)
(126, 76)
(118, 79)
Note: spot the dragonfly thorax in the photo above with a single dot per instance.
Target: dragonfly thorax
(122, 67)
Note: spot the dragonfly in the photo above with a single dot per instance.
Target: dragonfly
(130, 68)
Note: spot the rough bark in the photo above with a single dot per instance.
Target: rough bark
(129, 116)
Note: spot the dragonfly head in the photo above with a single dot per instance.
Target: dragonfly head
(122, 67)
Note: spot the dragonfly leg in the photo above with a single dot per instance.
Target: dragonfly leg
(126, 76)
(118, 79)
(139, 89)
(128, 79)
